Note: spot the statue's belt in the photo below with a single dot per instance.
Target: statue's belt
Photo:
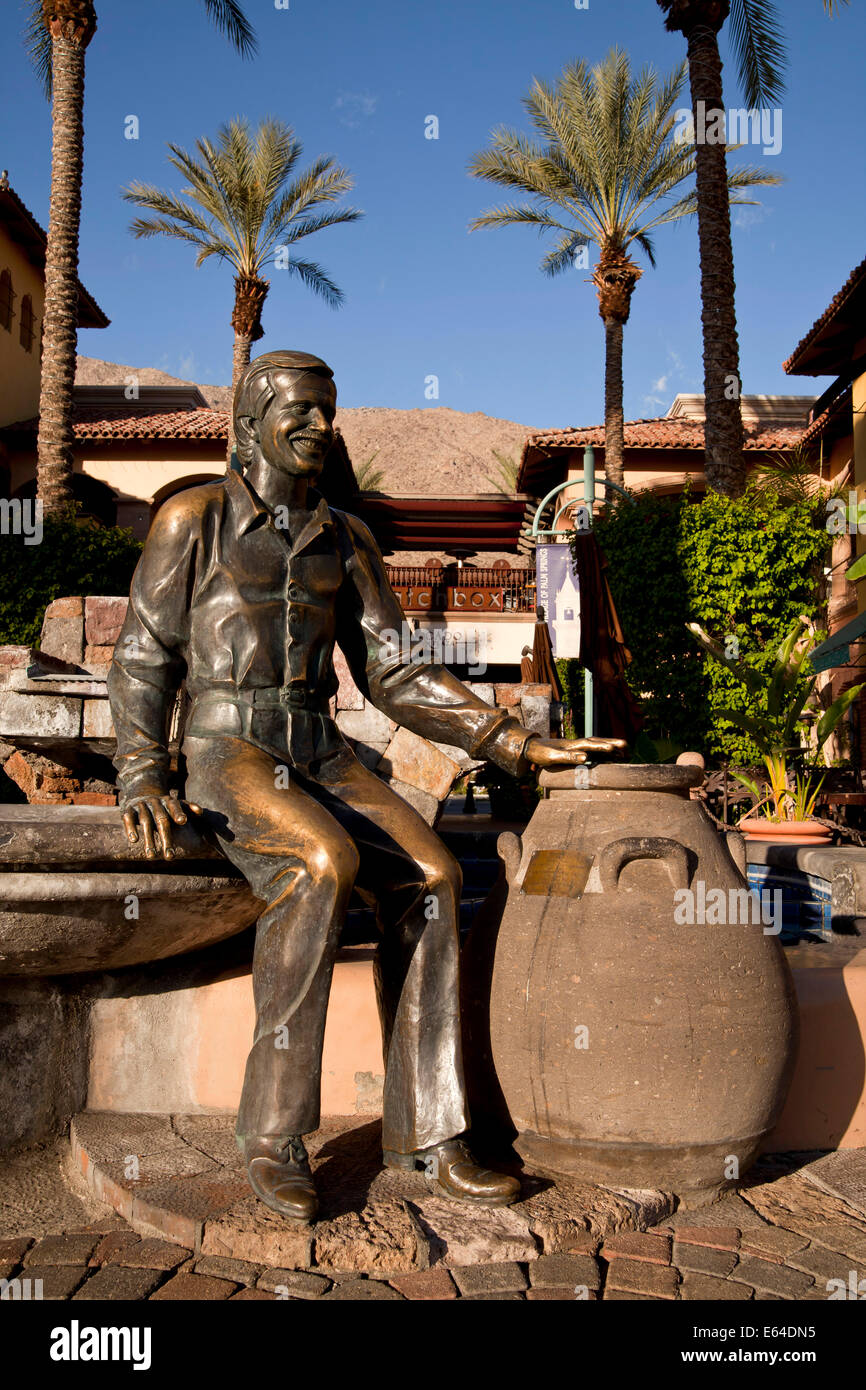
(293, 697)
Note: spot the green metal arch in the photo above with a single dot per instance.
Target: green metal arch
(571, 482)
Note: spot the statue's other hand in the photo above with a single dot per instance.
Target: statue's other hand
(566, 752)
(153, 816)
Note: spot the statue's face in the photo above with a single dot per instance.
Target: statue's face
(297, 429)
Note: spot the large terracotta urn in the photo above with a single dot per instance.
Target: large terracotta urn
(642, 1023)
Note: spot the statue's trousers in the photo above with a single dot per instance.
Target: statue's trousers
(302, 843)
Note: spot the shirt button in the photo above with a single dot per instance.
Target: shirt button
(294, 591)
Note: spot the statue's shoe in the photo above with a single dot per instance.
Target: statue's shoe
(278, 1171)
(457, 1175)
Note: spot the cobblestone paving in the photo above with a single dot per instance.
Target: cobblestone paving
(780, 1238)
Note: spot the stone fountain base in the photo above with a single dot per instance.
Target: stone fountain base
(191, 1188)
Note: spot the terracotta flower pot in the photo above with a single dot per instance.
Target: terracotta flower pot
(786, 832)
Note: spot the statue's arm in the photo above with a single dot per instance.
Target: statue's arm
(422, 696)
(148, 664)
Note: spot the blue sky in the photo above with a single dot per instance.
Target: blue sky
(423, 297)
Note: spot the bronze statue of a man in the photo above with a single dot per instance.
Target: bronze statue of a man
(242, 590)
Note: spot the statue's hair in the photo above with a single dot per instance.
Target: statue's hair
(255, 391)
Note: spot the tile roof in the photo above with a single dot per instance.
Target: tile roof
(838, 409)
(663, 432)
(101, 423)
(856, 278)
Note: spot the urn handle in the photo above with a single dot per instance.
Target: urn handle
(618, 853)
(509, 847)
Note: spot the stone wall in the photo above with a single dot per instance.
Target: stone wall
(44, 1043)
(48, 724)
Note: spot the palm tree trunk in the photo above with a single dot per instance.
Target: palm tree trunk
(613, 412)
(250, 294)
(723, 430)
(614, 277)
(240, 362)
(71, 24)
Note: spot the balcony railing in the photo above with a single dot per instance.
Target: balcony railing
(467, 590)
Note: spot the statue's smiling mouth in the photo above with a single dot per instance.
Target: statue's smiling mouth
(310, 441)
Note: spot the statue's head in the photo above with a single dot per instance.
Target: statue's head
(284, 409)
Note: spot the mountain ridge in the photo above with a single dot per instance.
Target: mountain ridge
(430, 451)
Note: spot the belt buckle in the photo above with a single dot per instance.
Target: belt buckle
(292, 695)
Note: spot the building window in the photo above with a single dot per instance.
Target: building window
(28, 332)
(7, 297)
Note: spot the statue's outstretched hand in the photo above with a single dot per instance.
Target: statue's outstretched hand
(154, 816)
(565, 752)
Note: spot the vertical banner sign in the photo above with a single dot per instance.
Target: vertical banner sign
(558, 595)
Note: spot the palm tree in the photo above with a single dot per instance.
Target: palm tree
(246, 205)
(368, 478)
(758, 45)
(507, 469)
(607, 175)
(59, 32)
(759, 49)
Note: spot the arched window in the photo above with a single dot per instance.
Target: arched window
(28, 332)
(7, 299)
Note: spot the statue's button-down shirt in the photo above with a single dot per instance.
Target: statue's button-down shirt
(224, 600)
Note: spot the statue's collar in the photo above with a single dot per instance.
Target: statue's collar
(250, 509)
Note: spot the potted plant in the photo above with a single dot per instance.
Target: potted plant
(786, 815)
(783, 704)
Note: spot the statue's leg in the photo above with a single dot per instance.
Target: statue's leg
(416, 884)
(302, 864)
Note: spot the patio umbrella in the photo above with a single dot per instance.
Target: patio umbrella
(602, 644)
(543, 665)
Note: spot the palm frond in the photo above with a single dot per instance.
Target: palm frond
(514, 161)
(561, 256)
(646, 245)
(308, 226)
(145, 195)
(759, 47)
(38, 41)
(794, 477)
(322, 183)
(227, 15)
(229, 18)
(314, 277)
(509, 214)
